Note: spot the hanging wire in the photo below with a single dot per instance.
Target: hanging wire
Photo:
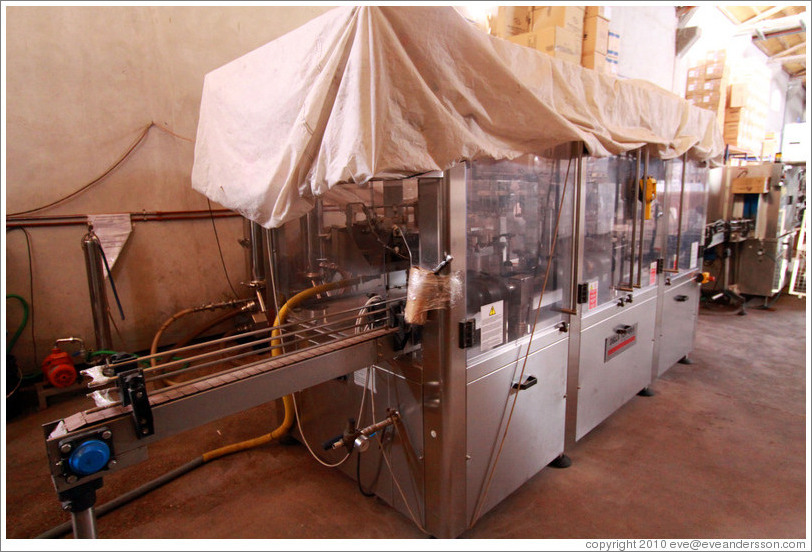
(141, 137)
(389, 464)
(220, 249)
(492, 471)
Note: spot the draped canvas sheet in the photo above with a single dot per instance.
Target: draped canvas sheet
(363, 92)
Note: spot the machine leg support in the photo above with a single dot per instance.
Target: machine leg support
(563, 461)
(645, 392)
(79, 501)
(685, 360)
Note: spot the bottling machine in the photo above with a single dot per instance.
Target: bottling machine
(439, 334)
(758, 208)
(640, 223)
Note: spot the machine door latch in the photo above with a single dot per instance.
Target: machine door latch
(563, 327)
(529, 382)
(583, 293)
(624, 329)
(681, 298)
(660, 265)
(467, 333)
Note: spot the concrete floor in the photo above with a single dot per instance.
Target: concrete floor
(718, 452)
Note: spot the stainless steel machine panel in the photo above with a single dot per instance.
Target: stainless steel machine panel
(536, 433)
(604, 386)
(680, 304)
(762, 265)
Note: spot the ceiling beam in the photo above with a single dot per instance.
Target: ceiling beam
(771, 25)
(798, 58)
(788, 50)
(763, 15)
(729, 15)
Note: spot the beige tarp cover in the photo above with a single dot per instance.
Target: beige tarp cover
(363, 92)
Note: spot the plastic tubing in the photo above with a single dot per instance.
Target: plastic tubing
(287, 400)
(22, 324)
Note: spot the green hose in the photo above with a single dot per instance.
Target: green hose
(22, 324)
(94, 353)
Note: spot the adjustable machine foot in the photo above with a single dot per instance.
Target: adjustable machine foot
(685, 360)
(645, 392)
(561, 462)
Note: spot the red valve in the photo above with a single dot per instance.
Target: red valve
(58, 368)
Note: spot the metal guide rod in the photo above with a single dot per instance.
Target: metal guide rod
(634, 218)
(576, 199)
(242, 355)
(252, 352)
(643, 193)
(189, 348)
(679, 217)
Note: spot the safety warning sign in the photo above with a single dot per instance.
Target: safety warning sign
(593, 295)
(492, 325)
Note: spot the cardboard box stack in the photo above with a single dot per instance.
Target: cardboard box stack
(746, 110)
(613, 51)
(707, 82)
(555, 30)
(596, 39)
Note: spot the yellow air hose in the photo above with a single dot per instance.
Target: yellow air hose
(287, 400)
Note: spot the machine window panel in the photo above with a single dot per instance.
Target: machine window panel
(511, 220)
(610, 192)
(652, 241)
(672, 206)
(693, 216)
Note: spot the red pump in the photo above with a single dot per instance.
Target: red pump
(58, 368)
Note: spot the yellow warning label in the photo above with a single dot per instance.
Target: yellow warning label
(493, 311)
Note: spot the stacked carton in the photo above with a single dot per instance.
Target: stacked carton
(555, 30)
(706, 86)
(596, 39)
(746, 113)
(613, 51)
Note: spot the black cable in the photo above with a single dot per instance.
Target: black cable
(358, 476)
(112, 283)
(95, 180)
(220, 249)
(109, 170)
(30, 285)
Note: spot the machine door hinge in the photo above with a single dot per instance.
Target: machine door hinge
(660, 265)
(467, 333)
(583, 293)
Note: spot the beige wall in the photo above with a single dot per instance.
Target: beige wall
(82, 82)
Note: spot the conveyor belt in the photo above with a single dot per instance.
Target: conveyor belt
(163, 397)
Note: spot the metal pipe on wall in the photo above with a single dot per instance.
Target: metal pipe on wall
(144, 216)
(98, 296)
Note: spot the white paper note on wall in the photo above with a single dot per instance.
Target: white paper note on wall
(113, 232)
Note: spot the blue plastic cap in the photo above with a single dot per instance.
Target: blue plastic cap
(89, 457)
